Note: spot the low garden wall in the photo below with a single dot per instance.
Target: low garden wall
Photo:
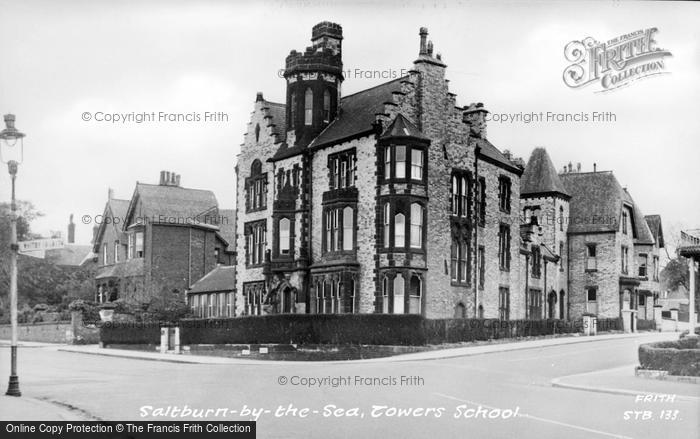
(356, 329)
(72, 332)
(680, 357)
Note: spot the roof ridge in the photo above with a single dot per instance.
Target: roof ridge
(373, 87)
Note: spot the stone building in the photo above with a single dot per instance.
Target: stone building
(613, 254)
(164, 239)
(590, 249)
(388, 200)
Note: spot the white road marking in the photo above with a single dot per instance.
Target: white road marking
(536, 418)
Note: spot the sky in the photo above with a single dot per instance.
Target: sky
(64, 59)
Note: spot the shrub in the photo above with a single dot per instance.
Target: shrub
(459, 330)
(677, 358)
(90, 310)
(405, 329)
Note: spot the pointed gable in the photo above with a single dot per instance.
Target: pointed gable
(403, 128)
(540, 176)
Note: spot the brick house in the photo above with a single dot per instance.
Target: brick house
(389, 200)
(164, 239)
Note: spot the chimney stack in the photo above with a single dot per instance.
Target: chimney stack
(570, 168)
(423, 37)
(168, 178)
(578, 167)
(110, 194)
(594, 167)
(475, 116)
(71, 230)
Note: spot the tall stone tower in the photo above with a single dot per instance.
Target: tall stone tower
(313, 79)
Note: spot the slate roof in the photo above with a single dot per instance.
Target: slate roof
(642, 234)
(71, 254)
(278, 114)
(172, 202)
(596, 205)
(597, 201)
(402, 127)
(654, 223)
(227, 227)
(357, 112)
(221, 278)
(128, 268)
(492, 154)
(117, 208)
(540, 176)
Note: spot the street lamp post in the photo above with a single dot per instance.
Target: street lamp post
(11, 138)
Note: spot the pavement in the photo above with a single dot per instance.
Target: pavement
(618, 380)
(437, 354)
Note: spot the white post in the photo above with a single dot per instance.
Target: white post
(691, 296)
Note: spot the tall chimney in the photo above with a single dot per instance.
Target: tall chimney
(423, 37)
(110, 194)
(71, 230)
(162, 178)
(578, 167)
(594, 167)
(570, 167)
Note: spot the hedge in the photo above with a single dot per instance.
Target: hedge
(129, 333)
(676, 357)
(306, 329)
(458, 330)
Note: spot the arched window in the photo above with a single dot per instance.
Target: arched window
(255, 168)
(481, 311)
(387, 224)
(562, 314)
(398, 294)
(326, 106)
(308, 106)
(399, 230)
(385, 295)
(460, 311)
(455, 195)
(284, 236)
(257, 132)
(416, 225)
(292, 110)
(348, 228)
(416, 290)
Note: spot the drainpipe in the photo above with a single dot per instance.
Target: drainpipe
(544, 291)
(475, 224)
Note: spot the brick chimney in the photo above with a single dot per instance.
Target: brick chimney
(71, 230)
(168, 178)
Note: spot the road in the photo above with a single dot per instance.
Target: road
(118, 389)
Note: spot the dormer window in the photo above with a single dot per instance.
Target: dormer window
(624, 222)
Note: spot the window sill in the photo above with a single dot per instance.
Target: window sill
(591, 270)
(257, 209)
(455, 283)
(505, 269)
(254, 265)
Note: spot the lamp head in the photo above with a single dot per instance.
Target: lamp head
(8, 139)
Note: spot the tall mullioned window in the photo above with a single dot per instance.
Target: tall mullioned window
(342, 167)
(504, 191)
(326, 106)
(339, 226)
(504, 247)
(256, 188)
(255, 242)
(461, 194)
(308, 106)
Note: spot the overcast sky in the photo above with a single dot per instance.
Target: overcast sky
(61, 59)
